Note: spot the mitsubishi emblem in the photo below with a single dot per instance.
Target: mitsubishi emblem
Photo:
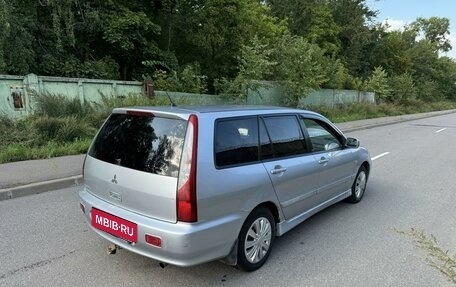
(114, 180)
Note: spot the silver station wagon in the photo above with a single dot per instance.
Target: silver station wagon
(187, 185)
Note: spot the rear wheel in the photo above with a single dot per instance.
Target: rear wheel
(359, 186)
(255, 239)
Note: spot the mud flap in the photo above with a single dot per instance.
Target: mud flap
(231, 258)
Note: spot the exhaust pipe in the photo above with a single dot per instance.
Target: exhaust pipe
(163, 265)
(112, 249)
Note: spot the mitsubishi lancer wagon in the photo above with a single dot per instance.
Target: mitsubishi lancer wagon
(187, 185)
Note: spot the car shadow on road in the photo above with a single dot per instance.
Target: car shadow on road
(319, 236)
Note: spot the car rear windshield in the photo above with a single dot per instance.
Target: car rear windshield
(144, 143)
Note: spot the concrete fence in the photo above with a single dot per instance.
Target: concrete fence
(17, 93)
(273, 94)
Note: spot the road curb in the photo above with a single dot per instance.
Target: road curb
(39, 187)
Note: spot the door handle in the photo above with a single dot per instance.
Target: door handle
(278, 169)
(323, 160)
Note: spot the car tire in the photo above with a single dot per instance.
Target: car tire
(359, 185)
(255, 240)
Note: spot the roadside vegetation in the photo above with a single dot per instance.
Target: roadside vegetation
(63, 126)
(59, 127)
(361, 111)
(436, 256)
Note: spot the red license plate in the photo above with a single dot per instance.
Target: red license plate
(115, 225)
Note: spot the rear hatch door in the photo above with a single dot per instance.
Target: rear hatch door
(134, 162)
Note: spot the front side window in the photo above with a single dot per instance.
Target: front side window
(236, 141)
(286, 136)
(321, 137)
(145, 143)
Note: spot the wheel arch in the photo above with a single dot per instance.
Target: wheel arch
(367, 165)
(272, 208)
(231, 258)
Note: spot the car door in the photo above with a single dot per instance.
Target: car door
(335, 163)
(292, 169)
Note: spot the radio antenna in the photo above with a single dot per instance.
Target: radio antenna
(171, 100)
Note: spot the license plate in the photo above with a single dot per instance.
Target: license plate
(115, 225)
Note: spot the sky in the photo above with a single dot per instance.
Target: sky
(402, 12)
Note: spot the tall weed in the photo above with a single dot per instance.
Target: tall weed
(60, 106)
(12, 131)
(65, 129)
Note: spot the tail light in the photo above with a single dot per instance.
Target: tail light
(186, 184)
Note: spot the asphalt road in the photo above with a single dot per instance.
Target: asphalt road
(44, 240)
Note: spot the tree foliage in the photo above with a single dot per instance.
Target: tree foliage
(378, 83)
(300, 66)
(436, 31)
(4, 27)
(403, 88)
(228, 46)
(311, 19)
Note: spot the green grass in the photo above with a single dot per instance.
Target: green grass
(60, 126)
(18, 151)
(361, 111)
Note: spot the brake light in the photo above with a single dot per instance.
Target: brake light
(140, 113)
(186, 184)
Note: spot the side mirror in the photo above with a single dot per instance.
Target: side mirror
(352, 142)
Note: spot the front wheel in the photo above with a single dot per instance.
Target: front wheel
(359, 186)
(255, 240)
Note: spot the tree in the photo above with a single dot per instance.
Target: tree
(212, 33)
(356, 38)
(445, 76)
(378, 83)
(130, 37)
(217, 35)
(300, 67)
(415, 61)
(4, 25)
(112, 38)
(192, 45)
(392, 52)
(16, 39)
(424, 56)
(403, 88)
(311, 19)
(291, 60)
(255, 64)
(436, 31)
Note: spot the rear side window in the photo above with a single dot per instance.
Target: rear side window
(236, 141)
(286, 136)
(144, 143)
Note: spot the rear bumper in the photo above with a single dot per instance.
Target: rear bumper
(183, 244)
